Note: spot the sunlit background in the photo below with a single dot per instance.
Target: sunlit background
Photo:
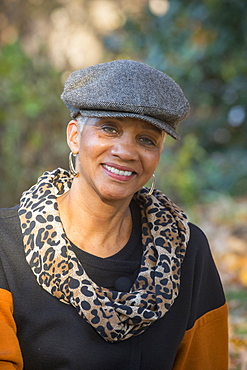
(202, 45)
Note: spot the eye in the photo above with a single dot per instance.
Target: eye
(147, 141)
(109, 129)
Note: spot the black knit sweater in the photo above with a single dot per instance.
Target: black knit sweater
(53, 336)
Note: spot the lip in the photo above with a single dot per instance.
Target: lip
(118, 167)
(119, 177)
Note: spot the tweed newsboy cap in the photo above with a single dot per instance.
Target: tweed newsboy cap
(126, 88)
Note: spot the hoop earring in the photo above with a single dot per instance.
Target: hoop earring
(71, 165)
(152, 185)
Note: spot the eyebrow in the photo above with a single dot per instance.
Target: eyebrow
(146, 124)
(152, 127)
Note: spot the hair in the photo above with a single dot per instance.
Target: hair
(81, 120)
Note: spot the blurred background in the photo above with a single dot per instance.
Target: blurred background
(202, 45)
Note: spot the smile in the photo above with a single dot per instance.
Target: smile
(116, 171)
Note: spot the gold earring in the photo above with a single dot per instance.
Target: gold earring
(152, 185)
(71, 165)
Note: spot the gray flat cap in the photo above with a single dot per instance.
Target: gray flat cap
(126, 88)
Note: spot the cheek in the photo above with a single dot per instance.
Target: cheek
(91, 144)
(153, 160)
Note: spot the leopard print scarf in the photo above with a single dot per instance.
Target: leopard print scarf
(115, 315)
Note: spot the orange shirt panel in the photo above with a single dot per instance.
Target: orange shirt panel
(10, 353)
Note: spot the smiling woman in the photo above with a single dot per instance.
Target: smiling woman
(115, 157)
(115, 275)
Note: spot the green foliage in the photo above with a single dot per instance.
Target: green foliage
(187, 173)
(202, 45)
(177, 170)
(32, 122)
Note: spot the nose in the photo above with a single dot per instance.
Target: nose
(125, 148)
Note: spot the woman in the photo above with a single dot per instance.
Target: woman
(99, 272)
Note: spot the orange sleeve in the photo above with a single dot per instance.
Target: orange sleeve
(10, 352)
(205, 345)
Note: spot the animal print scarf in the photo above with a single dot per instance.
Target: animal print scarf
(115, 315)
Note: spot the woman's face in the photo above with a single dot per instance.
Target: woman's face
(116, 156)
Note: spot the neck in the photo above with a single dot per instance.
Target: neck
(98, 226)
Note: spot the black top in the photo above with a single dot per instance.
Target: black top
(53, 336)
(119, 271)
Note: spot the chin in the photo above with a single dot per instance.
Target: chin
(120, 195)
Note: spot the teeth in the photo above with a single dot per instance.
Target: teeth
(118, 172)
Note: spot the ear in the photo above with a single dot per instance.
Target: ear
(73, 136)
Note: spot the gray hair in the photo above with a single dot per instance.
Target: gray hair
(81, 120)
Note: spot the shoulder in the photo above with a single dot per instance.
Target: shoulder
(197, 234)
(6, 213)
(9, 223)
(198, 248)
(8, 216)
